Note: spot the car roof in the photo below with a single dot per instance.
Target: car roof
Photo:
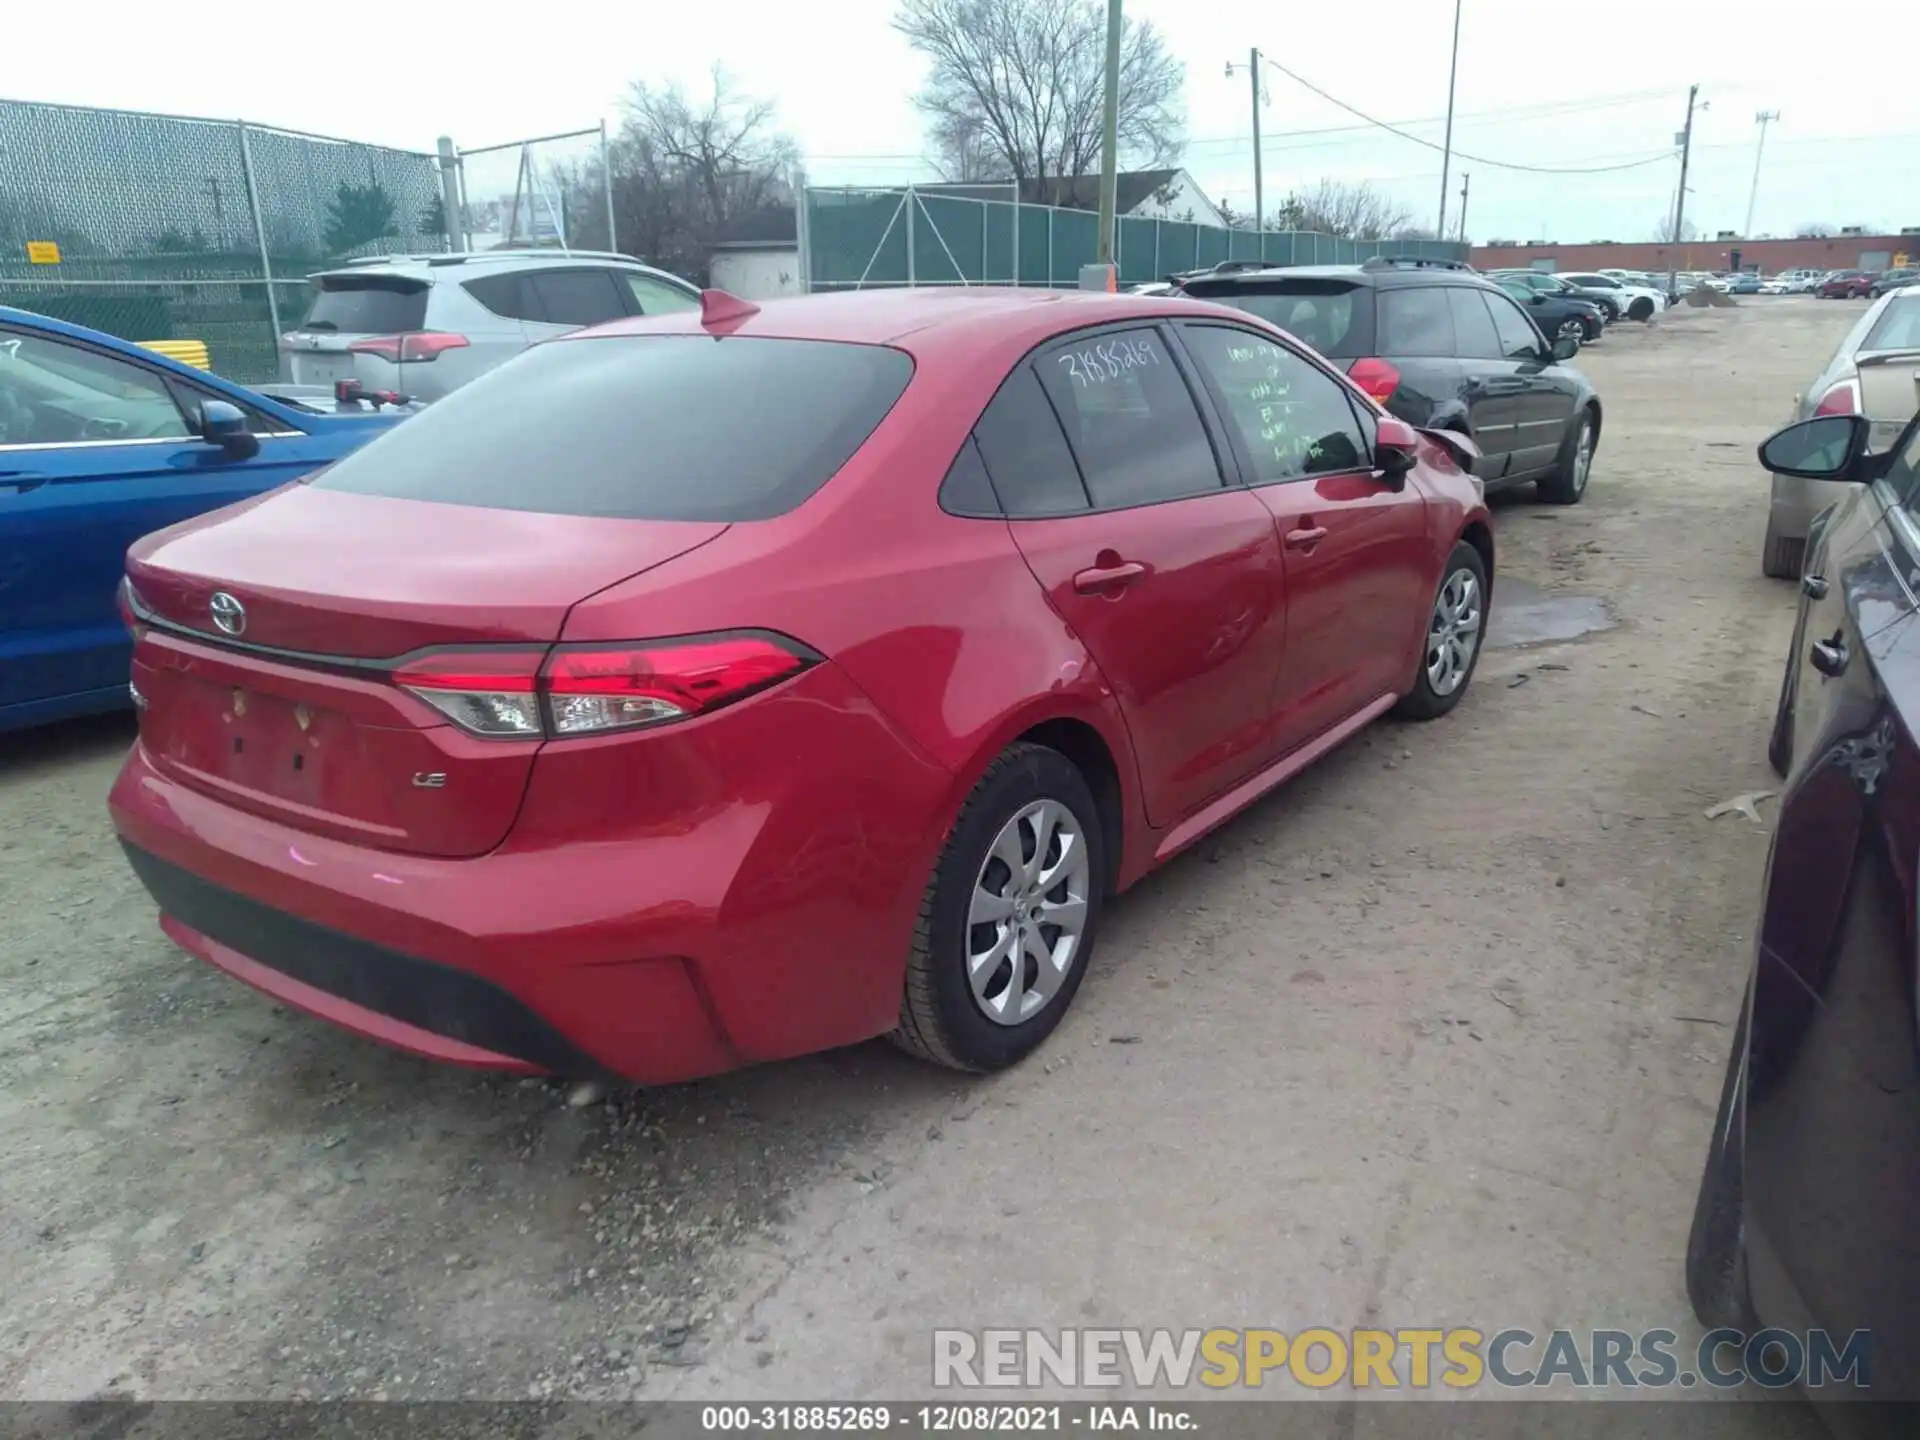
(920, 318)
(1385, 275)
(451, 265)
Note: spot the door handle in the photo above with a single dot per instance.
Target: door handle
(21, 480)
(1814, 587)
(1307, 538)
(1830, 657)
(1103, 578)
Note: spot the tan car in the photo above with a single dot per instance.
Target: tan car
(1876, 373)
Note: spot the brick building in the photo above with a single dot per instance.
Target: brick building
(1837, 252)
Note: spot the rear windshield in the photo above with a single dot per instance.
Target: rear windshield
(640, 427)
(1332, 316)
(1898, 328)
(367, 305)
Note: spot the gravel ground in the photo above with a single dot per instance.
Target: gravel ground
(1430, 1037)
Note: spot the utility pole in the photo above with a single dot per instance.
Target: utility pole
(1110, 136)
(1763, 119)
(1259, 194)
(1685, 137)
(1465, 180)
(1446, 153)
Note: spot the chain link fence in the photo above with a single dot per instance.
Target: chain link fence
(855, 238)
(551, 190)
(161, 227)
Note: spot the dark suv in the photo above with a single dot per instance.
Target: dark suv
(1443, 349)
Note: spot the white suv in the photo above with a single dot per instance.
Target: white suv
(424, 325)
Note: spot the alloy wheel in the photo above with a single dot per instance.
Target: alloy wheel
(1453, 636)
(1028, 912)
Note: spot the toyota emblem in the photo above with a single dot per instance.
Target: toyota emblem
(229, 615)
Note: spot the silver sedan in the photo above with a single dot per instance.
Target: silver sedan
(1875, 372)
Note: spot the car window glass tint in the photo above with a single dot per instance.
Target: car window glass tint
(1295, 420)
(649, 428)
(506, 296)
(1898, 328)
(1904, 470)
(1473, 332)
(52, 393)
(1025, 452)
(368, 305)
(1415, 322)
(1130, 419)
(1518, 339)
(967, 490)
(577, 297)
(1324, 316)
(656, 297)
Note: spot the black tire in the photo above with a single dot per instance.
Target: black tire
(1716, 1243)
(1781, 556)
(1423, 702)
(1611, 309)
(939, 1018)
(1572, 327)
(1874, 294)
(1640, 309)
(1590, 330)
(1568, 483)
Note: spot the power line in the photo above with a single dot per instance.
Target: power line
(1476, 159)
(1544, 110)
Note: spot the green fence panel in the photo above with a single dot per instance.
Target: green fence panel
(1076, 242)
(1035, 224)
(949, 241)
(1138, 249)
(1210, 246)
(857, 237)
(997, 268)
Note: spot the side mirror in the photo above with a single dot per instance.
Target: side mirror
(1396, 450)
(1827, 447)
(225, 426)
(1565, 347)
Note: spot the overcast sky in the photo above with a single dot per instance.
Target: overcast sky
(1543, 85)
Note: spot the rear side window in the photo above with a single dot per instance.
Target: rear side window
(368, 305)
(1898, 328)
(1025, 452)
(576, 297)
(1130, 419)
(1415, 322)
(644, 427)
(505, 295)
(1473, 330)
(1518, 339)
(1334, 318)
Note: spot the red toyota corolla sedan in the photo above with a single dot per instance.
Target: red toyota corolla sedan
(704, 690)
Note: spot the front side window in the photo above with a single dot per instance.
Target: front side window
(1130, 419)
(55, 393)
(1518, 339)
(1295, 420)
(656, 297)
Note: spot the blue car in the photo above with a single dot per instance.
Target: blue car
(1745, 284)
(102, 441)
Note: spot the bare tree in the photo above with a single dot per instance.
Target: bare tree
(1815, 231)
(684, 170)
(964, 153)
(1334, 207)
(1662, 231)
(1022, 81)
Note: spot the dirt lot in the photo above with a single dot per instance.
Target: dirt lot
(1430, 1037)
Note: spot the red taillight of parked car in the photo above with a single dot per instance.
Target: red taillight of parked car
(413, 348)
(592, 689)
(1842, 399)
(1376, 377)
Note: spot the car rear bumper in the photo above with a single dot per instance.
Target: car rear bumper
(773, 923)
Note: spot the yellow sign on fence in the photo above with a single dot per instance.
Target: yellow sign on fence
(43, 252)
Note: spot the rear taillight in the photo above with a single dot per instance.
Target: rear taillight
(128, 604)
(1376, 377)
(592, 689)
(1842, 399)
(410, 349)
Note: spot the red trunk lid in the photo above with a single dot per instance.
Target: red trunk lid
(295, 717)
